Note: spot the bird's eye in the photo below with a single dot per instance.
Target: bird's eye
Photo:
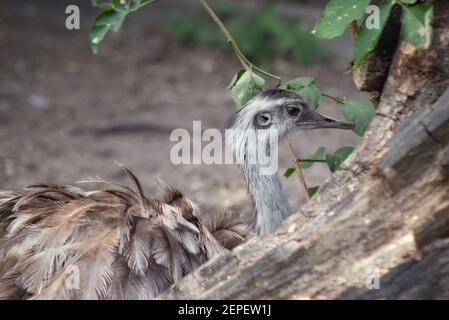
(292, 111)
(264, 120)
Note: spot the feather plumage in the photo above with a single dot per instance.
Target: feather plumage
(66, 242)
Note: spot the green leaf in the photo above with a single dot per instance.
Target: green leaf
(259, 82)
(122, 6)
(341, 154)
(361, 113)
(318, 155)
(330, 162)
(312, 190)
(134, 5)
(312, 95)
(337, 16)
(145, 2)
(111, 18)
(137, 4)
(367, 39)
(241, 89)
(103, 5)
(409, 1)
(243, 84)
(299, 83)
(96, 35)
(289, 172)
(107, 19)
(416, 25)
(307, 88)
(335, 160)
(235, 78)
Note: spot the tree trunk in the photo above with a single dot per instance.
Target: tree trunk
(386, 211)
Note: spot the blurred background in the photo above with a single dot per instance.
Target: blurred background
(67, 114)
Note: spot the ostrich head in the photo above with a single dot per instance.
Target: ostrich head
(252, 136)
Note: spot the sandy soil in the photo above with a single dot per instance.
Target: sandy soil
(66, 114)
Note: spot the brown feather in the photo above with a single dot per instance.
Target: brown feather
(124, 245)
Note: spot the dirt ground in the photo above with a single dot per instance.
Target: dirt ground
(66, 114)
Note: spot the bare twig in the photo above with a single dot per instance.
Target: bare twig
(296, 161)
(224, 30)
(243, 60)
(339, 100)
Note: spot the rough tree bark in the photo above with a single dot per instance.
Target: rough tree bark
(387, 207)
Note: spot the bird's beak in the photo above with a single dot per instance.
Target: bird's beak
(315, 120)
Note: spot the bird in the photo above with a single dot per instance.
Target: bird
(112, 241)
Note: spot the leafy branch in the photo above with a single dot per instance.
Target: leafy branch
(112, 15)
(337, 17)
(333, 160)
(416, 20)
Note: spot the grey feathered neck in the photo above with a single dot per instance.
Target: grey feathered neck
(270, 203)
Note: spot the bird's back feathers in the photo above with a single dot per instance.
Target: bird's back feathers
(65, 242)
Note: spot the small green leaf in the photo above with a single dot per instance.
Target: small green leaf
(259, 82)
(330, 162)
(367, 39)
(242, 89)
(416, 25)
(361, 113)
(145, 2)
(318, 155)
(134, 5)
(312, 95)
(299, 83)
(312, 190)
(289, 172)
(121, 5)
(137, 4)
(341, 154)
(335, 160)
(96, 35)
(103, 5)
(243, 84)
(235, 78)
(337, 16)
(107, 19)
(307, 88)
(409, 1)
(111, 18)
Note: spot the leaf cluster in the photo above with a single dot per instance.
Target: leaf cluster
(416, 17)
